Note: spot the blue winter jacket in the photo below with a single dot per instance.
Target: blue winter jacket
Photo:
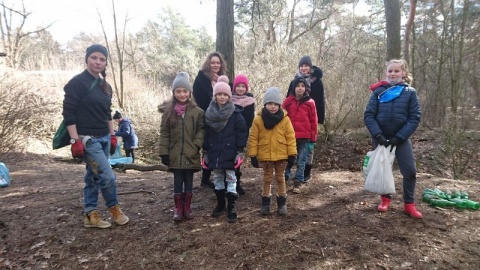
(222, 147)
(397, 118)
(126, 131)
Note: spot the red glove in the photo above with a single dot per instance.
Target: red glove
(113, 144)
(77, 149)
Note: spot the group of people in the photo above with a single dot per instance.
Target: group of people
(209, 127)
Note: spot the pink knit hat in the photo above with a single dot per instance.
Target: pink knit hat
(222, 87)
(223, 78)
(240, 79)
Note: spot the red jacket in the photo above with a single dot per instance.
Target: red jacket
(303, 115)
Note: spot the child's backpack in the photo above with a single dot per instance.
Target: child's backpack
(4, 175)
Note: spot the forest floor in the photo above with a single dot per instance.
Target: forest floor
(332, 224)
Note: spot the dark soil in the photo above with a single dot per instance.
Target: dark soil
(332, 224)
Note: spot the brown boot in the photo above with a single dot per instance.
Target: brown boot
(93, 220)
(383, 207)
(187, 200)
(412, 210)
(117, 215)
(178, 212)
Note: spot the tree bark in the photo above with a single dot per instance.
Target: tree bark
(392, 16)
(408, 30)
(224, 42)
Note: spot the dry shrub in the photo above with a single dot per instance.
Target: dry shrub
(24, 113)
(141, 107)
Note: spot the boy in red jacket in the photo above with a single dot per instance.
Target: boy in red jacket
(303, 114)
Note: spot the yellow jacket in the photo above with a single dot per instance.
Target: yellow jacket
(272, 144)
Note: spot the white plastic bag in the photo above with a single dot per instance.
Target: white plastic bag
(378, 171)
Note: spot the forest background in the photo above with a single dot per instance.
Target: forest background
(269, 37)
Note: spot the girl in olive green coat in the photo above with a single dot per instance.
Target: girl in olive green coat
(181, 137)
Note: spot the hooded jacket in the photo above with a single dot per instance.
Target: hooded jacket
(127, 132)
(182, 143)
(317, 92)
(303, 115)
(222, 147)
(397, 118)
(272, 144)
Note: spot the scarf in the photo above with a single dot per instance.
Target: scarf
(216, 117)
(180, 108)
(270, 120)
(308, 77)
(243, 101)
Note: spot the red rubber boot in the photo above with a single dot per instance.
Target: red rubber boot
(412, 210)
(383, 207)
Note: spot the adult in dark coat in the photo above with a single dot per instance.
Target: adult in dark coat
(213, 67)
(313, 77)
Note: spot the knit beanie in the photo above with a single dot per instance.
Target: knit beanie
(272, 95)
(96, 48)
(303, 80)
(240, 79)
(224, 79)
(222, 87)
(305, 60)
(117, 115)
(182, 81)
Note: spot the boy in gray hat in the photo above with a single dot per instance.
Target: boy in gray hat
(270, 127)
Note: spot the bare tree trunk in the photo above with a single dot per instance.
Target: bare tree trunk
(392, 15)
(408, 30)
(119, 50)
(224, 25)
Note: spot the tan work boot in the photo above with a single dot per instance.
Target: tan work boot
(118, 216)
(93, 220)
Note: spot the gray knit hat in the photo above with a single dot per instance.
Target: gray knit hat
(96, 48)
(272, 95)
(305, 60)
(182, 80)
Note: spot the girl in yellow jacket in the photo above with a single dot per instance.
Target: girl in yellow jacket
(272, 145)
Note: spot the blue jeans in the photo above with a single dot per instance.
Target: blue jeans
(302, 154)
(220, 176)
(99, 175)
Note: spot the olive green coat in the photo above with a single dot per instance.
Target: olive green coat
(182, 143)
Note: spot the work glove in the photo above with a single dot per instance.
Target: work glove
(394, 142)
(113, 144)
(254, 162)
(77, 149)
(291, 161)
(165, 159)
(311, 145)
(238, 160)
(205, 161)
(381, 140)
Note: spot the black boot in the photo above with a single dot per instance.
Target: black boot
(281, 205)
(231, 211)
(206, 179)
(307, 176)
(220, 208)
(265, 206)
(240, 190)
